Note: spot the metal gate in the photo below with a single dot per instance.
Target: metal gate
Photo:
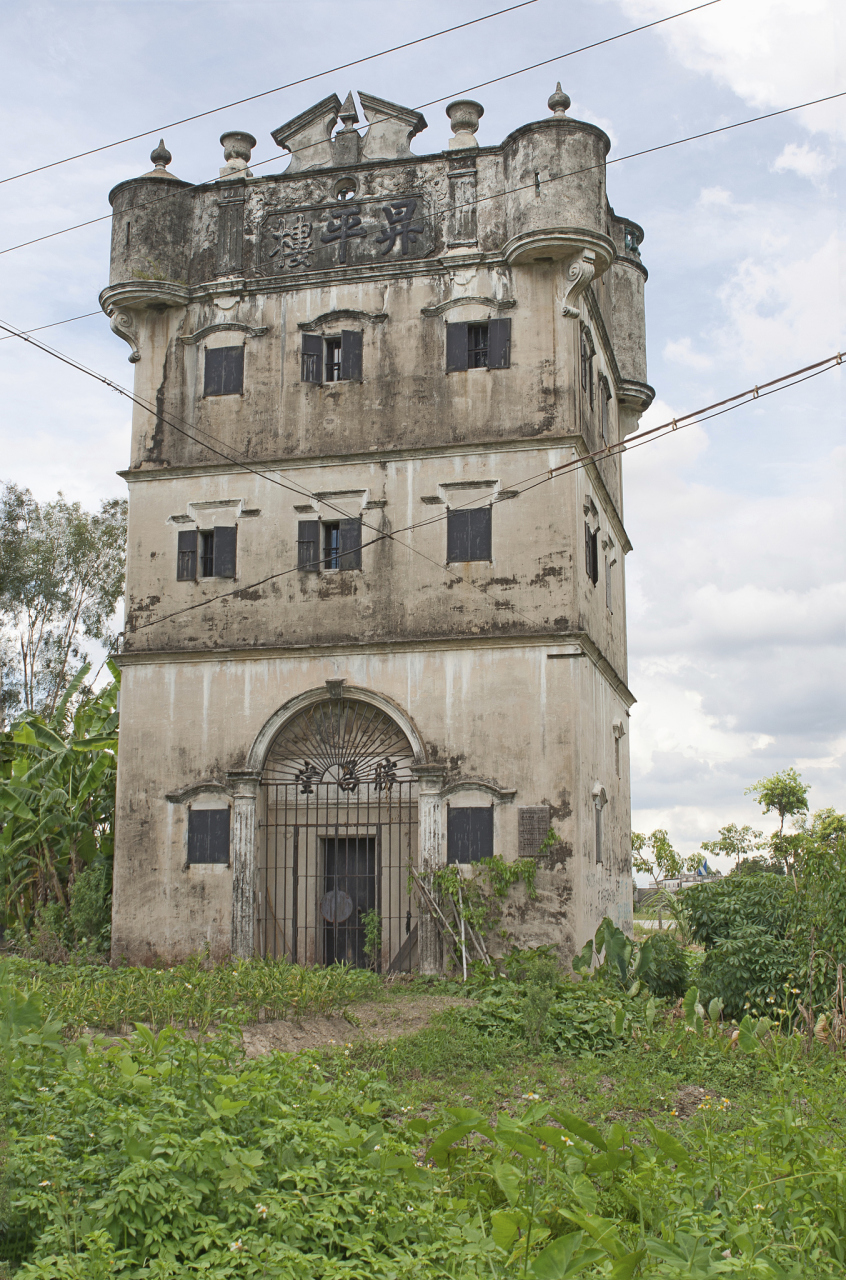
(334, 880)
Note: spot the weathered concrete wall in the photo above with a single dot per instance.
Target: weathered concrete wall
(507, 715)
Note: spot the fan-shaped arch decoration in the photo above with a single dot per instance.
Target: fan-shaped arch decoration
(344, 741)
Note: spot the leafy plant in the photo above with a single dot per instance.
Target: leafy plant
(668, 973)
(655, 856)
(57, 791)
(751, 971)
(372, 922)
(610, 954)
(718, 909)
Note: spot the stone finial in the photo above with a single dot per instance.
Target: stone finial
(464, 117)
(558, 102)
(161, 157)
(237, 149)
(348, 113)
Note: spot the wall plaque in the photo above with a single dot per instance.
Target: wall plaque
(532, 829)
(343, 234)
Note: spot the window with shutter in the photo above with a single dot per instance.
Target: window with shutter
(225, 540)
(207, 555)
(352, 341)
(477, 346)
(349, 544)
(224, 371)
(469, 535)
(456, 347)
(469, 834)
(186, 555)
(208, 836)
(308, 545)
(312, 358)
(499, 344)
(333, 359)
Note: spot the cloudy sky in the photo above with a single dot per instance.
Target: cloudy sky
(737, 590)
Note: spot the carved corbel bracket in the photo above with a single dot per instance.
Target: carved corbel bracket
(580, 273)
(125, 326)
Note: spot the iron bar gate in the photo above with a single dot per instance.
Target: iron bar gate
(333, 875)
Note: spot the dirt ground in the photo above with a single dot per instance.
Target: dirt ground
(371, 1020)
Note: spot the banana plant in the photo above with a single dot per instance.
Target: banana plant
(57, 785)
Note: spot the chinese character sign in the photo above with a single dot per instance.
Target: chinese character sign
(343, 234)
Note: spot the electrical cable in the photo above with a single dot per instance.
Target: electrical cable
(318, 75)
(196, 186)
(54, 325)
(717, 409)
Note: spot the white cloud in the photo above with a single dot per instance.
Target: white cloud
(772, 53)
(680, 350)
(804, 160)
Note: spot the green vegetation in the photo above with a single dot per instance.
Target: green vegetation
(639, 1145)
(57, 799)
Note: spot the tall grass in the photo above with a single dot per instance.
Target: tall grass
(191, 995)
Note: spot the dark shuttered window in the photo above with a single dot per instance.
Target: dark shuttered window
(208, 835)
(337, 358)
(349, 544)
(217, 553)
(469, 834)
(351, 359)
(225, 541)
(499, 344)
(469, 535)
(308, 545)
(224, 371)
(478, 346)
(312, 367)
(591, 554)
(186, 555)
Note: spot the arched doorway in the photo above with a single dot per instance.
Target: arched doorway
(339, 830)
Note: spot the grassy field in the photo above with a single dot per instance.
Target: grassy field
(539, 1129)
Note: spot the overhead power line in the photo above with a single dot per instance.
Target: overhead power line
(717, 409)
(257, 164)
(55, 324)
(266, 93)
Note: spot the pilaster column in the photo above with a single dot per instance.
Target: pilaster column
(430, 844)
(244, 787)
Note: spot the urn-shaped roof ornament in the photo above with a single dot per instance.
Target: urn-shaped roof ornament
(464, 116)
(237, 149)
(558, 102)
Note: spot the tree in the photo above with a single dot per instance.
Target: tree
(660, 858)
(61, 577)
(740, 843)
(787, 795)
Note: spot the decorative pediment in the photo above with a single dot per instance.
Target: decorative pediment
(309, 139)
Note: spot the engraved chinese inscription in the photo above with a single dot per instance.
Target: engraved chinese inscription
(325, 237)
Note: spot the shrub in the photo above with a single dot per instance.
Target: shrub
(91, 904)
(749, 973)
(668, 974)
(721, 909)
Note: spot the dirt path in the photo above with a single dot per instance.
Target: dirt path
(375, 1019)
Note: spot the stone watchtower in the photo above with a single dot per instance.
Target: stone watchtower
(359, 632)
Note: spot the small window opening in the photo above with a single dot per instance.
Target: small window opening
(332, 545)
(128, 233)
(608, 586)
(598, 834)
(333, 360)
(477, 346)
(617, 756)
(207, 555)
(591, 554)
(604, 401)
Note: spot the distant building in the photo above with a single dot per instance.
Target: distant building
(367, 622)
